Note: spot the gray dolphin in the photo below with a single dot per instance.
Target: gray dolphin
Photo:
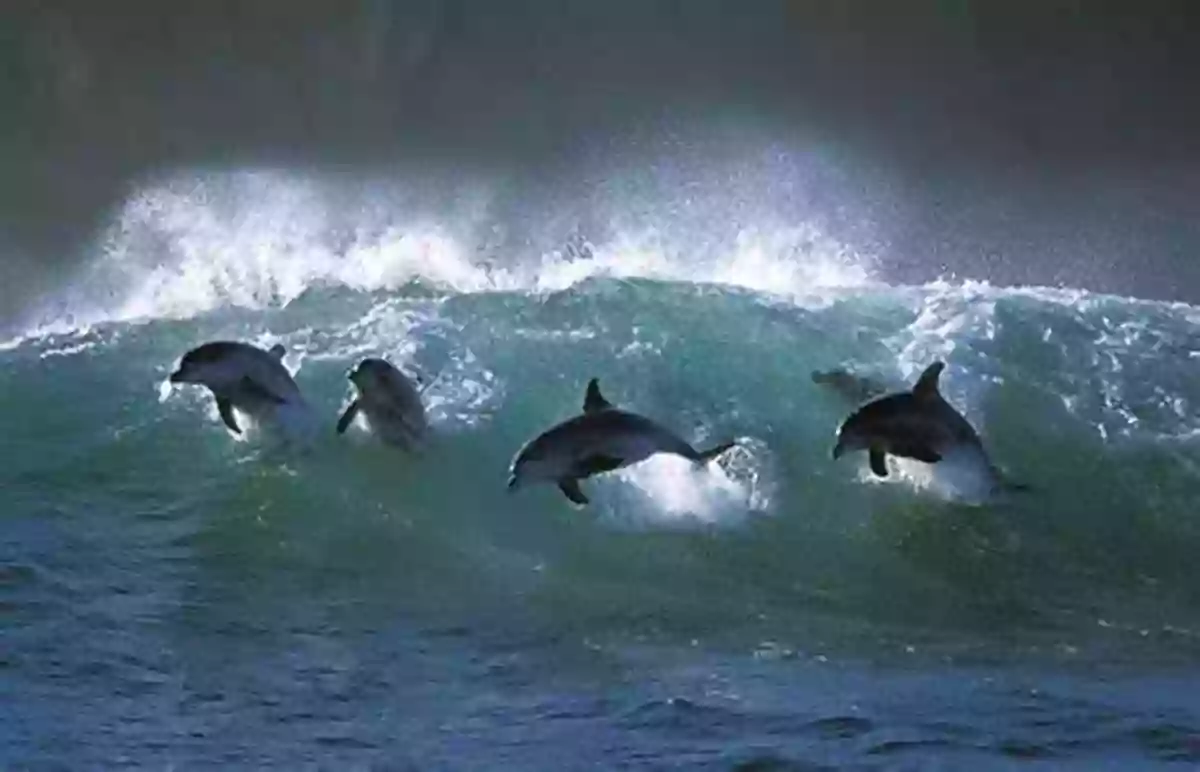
(390, 402)
(855, 389)
(601, 439)
(917, 424)
(240, 376)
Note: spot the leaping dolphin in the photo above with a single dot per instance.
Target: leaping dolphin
(240, 376)
(855, 389)
(918, 424)
(600, 439)
(390, 402)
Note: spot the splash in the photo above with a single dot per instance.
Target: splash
(963, 477)
(677, 494)
(193, 243)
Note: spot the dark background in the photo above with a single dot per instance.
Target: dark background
(1049, 142)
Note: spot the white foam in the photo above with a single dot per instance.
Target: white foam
(961, 476)
(675, 493)
(195, 242)
(269, 254)
(290, 425)
(1112, 372)
(798, 262)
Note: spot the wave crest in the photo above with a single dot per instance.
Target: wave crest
(257, 239)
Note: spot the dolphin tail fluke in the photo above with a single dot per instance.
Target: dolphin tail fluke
(703, 457)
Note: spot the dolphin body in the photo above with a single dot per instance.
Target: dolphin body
(600, 439)
(855, 389)
(390, 402)
(240, 376)
(918, 424)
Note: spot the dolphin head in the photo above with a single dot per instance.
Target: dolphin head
(524, 469)
(380, 377)
(206, 364)
(189, 368)
(538, 461)
(854, 434)
(368, 372)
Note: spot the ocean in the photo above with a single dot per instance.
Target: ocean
(699, 204)
(176, 597)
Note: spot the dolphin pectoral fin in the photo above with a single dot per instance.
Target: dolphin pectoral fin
(593, 400)
(570, 488)
(598, 464)
(347, 417)
(225, 408)
(878, 462)
(708, 455)
(252, 387)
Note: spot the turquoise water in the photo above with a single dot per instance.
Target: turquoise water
(175, 597)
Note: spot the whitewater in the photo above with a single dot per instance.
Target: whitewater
(173, 596)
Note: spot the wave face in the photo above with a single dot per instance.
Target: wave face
(169, 579)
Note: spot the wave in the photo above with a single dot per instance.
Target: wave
(1091, 399)
(194, 242)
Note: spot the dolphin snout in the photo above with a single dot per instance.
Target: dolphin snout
(838, 449)
(176, 377)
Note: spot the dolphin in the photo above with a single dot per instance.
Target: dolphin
(855, 389)
(240, 376)
(918, 424)
(600, 439)
(390, 402)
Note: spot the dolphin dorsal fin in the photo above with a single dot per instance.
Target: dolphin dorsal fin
(277, 351)
(927, 385)
(594, 400)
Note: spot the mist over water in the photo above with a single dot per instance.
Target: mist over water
(1028, 143)
(699, 204)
